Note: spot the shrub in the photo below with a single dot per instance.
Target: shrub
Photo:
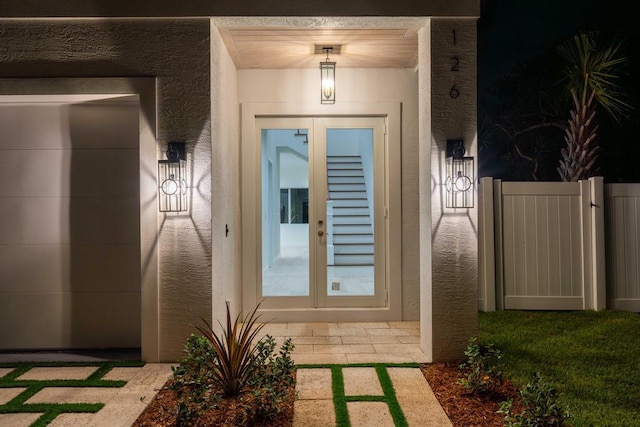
(192, 380)
(541, 406)
(236, 357)
(480, 373)
(217, 366)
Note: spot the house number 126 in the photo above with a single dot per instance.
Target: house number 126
(454, 92)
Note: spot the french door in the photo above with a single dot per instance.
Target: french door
(321, 212)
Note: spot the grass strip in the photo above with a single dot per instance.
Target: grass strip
(365, 398)
(359, 365)
(100, 372)
(63, 383)
(45, 419)
(51, 410)
(114, 363)
(23, 397)
(11, 376)
(50, 407)
(339, 399)
(399, 419)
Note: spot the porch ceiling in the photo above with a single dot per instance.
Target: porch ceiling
(297, 47)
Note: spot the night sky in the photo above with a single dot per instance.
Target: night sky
(513, 32)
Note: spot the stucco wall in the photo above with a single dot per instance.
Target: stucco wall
(360, 86)
(114, 8)
(177, 53)
(454, 241)
(225, 173)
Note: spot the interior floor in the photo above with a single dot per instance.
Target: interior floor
(289, 276)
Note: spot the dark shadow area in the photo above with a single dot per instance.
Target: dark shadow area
(92, 355)
(104, 224)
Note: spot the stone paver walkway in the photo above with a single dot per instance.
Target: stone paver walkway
(122, 405)
(343, 343)
(356, 396)
(385, 389)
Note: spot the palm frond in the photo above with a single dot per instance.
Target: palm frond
(594, 66)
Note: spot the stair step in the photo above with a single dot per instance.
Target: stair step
(357, 239)
(350, 203)
(353, 260)
(345, 172)
(346, 211)
(351, 195)
(351, 229)
(352, 219)
(364, 249)
(344, 165)
(345, 179)
(347, 187)
(346, 158)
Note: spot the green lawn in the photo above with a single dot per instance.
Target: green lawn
(591, 358)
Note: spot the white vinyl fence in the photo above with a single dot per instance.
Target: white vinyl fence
(542, 245)
(622, 208)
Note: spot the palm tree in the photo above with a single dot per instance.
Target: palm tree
(592, 71)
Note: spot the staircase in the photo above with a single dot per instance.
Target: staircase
(352, 225)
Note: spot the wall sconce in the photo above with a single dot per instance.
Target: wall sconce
(172, 179)
(327, 79)
(460, 176)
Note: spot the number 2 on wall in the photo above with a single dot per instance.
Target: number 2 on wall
(455, 63)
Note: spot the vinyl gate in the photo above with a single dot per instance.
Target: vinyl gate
(542, 245)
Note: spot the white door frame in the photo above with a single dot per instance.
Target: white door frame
(250, 274)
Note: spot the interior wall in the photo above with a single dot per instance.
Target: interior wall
(177, 54)
(70, 237)
(360, 86)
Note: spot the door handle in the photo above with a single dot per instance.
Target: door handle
(320, 233)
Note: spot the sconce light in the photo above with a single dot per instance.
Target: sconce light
(327, 79)
(460, 176)
(172, 179)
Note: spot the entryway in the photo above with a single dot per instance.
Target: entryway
(320, 212)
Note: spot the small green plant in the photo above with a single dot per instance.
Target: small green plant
(480, 372)
(541, 406)
(192, 380)
(235, 355)
(218, 366)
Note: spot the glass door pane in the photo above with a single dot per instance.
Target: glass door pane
(350, 212)
(285, 212)
(349, 190)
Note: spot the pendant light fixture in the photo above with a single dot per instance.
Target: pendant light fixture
(327, 78)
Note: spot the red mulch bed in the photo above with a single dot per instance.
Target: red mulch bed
(465, 409)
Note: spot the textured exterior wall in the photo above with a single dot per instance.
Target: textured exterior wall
(20, 8)
(454, 262)
(176, 52)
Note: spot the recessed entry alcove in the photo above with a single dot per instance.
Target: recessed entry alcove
(76, 258)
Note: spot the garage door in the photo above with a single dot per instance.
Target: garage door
(69, 224)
